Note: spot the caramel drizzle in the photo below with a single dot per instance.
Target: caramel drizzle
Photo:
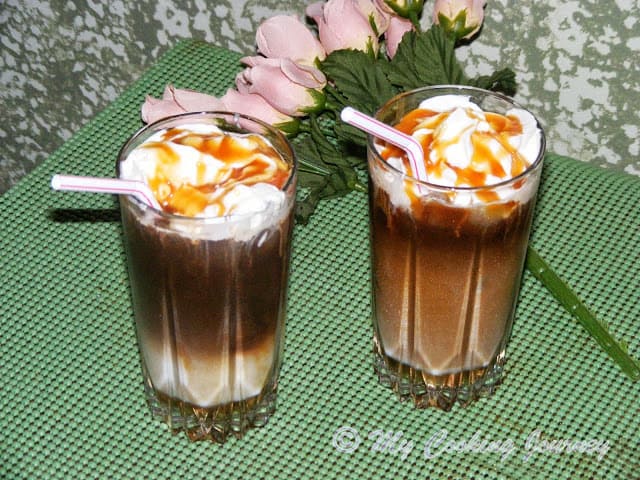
(484, 161)
(257, 163)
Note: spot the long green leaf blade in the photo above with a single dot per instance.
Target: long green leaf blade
(572, 303)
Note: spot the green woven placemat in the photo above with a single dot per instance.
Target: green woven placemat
(72, 402)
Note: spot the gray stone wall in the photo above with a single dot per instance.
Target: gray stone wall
(61, 62)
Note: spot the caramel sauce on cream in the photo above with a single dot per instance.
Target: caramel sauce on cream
(243, 159)
(491, 149)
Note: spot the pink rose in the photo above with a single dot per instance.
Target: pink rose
(253, 105)
(284, 36)
(461, 18)
(175, 101)
(342, 25)
(290, 88)
(398, 26)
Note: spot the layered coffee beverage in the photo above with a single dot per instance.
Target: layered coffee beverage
(448, 252)
(209, 272)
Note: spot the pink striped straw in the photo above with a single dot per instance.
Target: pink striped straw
(395, 137)
(75, 183)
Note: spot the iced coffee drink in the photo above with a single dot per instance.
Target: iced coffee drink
(209, 272)
(448, 253)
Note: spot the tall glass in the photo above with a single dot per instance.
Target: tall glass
(209, 300)
(446, 269)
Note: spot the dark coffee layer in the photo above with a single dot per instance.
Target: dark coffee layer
(208, 313)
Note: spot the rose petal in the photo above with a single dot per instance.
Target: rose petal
(284, 36)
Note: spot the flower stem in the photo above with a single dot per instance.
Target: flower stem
(313, 168)
(413, 17)
(572, 303)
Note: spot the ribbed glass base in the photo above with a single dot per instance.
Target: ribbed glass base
(439, 391)
(215, 423)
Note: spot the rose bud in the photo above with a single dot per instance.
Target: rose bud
(175, 101)
(292, 89)
(343, 25)
(284, 36)
(459, 18)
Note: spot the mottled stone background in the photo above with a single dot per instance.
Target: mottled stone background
(63, 61)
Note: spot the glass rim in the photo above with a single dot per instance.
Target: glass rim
(158, 124)
(435, 186)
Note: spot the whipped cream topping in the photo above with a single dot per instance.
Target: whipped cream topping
(197, 170)
(465, 146)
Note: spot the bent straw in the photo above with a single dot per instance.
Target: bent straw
(118, 186)
(395, 137)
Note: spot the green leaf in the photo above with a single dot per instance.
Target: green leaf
(359, 78)
(335, 101)
(309, 159)
(325, 148)
(597, 328)
(344, 132)
(501, 81)
(425, 58)
(316, 188)
(344, 178)
(324, 169)
(349, 134)
(313, 177)
(306, 206)
(311, 180)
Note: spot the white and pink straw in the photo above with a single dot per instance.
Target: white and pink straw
(106, 185)
(395, 137)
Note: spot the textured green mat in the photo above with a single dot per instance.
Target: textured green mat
(72, 406)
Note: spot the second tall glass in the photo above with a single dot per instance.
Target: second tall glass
(446, 269)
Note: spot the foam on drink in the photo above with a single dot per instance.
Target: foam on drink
(465, 147)
(197, 170)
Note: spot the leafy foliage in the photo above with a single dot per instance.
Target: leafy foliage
(359, 78)
(324, 171)
(426, 58)
(501, 81)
